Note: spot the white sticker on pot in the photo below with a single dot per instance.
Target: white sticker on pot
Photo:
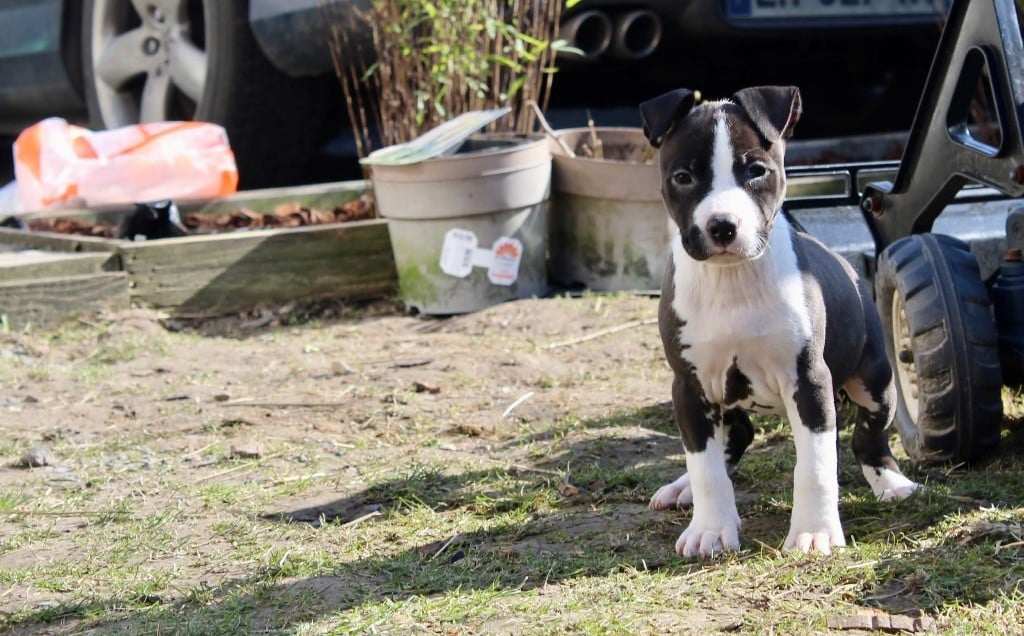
(504, 269)
(457, 252)
(460, 254)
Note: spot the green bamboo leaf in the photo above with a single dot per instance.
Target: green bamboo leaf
(515, 86)
(522, 37)
(506, 62)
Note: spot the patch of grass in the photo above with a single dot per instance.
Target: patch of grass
(216, 495)
(11, 500)
(504, 550)
(532, 524)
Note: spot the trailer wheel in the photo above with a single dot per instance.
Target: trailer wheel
(942, 343)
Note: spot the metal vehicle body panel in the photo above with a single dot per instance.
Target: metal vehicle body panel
(36, 73)
(644, 47)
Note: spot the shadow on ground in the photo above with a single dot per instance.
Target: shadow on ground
(599, 525)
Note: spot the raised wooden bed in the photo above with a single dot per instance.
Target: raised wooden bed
(220, 273)
(40, 289)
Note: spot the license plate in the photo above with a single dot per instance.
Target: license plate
(810, 9)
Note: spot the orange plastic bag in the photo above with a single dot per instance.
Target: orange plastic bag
(57, 164)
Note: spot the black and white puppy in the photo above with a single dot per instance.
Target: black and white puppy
(757, 317)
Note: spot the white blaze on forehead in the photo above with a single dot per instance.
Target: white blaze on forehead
(726, 196)
(722, 177)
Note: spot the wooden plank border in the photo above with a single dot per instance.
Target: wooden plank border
(220, 273)
(47, 302)
(213, 274)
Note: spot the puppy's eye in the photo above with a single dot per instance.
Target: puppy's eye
(682, 178)
(756, 170)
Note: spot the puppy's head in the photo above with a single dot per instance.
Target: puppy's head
(722, 174)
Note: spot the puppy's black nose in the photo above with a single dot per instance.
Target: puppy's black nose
(722, 229)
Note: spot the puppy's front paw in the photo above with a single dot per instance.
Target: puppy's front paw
(820, 537)
(675, 495)
(708, 540)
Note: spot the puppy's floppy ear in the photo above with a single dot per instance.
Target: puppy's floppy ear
(660, 113)
(775, 110)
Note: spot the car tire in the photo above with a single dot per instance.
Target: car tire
(941, 340)
(204, 64)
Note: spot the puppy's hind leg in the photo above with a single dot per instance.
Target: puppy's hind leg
(739, 434)
(873, 391)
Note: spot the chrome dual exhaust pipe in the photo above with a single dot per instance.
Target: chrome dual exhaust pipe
(590, 32)
(637, 34)
(632, 35)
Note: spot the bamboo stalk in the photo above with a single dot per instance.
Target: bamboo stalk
(434, 60)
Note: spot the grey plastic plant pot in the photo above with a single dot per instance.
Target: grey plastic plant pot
(496, 190)
(609, 229)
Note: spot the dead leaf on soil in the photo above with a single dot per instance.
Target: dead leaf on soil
(472, 429)
(566, 489)
(421, 387)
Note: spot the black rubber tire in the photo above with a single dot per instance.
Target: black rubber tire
(274, 122)
(953, 360)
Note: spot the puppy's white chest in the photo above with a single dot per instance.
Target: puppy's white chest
(743, 326)
(744, 358)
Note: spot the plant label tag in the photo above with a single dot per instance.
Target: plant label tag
(457, 252)
(460, 254)
(504, 268)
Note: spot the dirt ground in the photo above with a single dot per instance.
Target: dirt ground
(373, 381)
(365, 471)
(136, 408)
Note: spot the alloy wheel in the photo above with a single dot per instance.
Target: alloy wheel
(149, 58)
